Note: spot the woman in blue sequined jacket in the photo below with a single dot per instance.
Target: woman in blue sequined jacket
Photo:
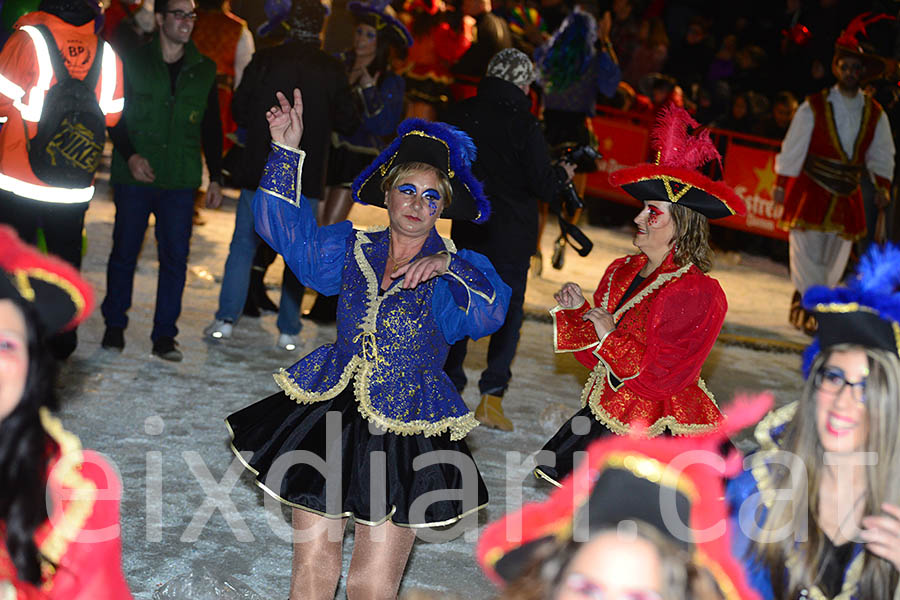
(817, 509)
(378, 425)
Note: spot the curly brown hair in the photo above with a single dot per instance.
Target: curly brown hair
(691, 238)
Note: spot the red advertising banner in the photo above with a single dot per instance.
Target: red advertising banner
(622, 144)
(624, 141)
(750, 171)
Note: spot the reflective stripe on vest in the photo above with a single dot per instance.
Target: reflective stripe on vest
(31, 111)
(44, 193)
(108, 82)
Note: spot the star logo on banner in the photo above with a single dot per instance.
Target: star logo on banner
(766, 177)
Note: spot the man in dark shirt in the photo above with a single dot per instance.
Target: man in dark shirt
(514, 164)
(328, 106)
(491, 36)
(172, 111)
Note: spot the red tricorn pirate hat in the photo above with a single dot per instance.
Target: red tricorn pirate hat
(674, 177)
(628, 478)
(60, 296)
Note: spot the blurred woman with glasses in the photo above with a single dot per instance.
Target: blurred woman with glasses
(818, 506)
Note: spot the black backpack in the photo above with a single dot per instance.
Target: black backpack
(72, 130)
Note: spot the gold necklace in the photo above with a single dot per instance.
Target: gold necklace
(397, 263)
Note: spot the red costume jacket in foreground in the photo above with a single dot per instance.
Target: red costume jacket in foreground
(816, 201)
(647, 369)
(80, 541)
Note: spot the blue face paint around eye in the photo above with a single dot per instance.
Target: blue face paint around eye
(433, 197)
(407, 188)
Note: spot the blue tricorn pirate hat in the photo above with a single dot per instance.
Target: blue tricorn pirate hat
(375, 14)
(864, 312)
(442, 146)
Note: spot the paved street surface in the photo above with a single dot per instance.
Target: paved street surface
(161, 423)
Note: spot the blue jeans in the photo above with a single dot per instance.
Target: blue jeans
(174, 211)
(236, 280)
(502, 347)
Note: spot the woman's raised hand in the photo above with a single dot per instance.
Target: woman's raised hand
(286, 121)
(569, 296)
(881, 534)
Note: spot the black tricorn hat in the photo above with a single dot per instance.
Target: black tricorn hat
(675, 178)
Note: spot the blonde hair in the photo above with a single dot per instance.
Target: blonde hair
(691, 238)
(402, 170)
(801, 438)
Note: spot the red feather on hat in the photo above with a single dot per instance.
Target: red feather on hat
(677, 147)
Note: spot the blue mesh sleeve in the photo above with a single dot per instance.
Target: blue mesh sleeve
(471, 299)
(315, 254)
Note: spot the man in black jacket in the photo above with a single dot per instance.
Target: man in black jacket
(327, 105)
(514, 164)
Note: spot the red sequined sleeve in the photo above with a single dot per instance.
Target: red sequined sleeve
(684, 322)
(571, 333)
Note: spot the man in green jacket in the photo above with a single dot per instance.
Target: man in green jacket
(172, 114)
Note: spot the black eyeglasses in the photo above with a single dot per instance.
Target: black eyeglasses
(182, 16)
(832, 381)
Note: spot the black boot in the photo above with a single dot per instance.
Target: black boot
(257, 292)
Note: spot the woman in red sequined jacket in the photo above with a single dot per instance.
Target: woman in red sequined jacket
(656, 314)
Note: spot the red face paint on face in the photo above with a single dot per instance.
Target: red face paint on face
(653, 217)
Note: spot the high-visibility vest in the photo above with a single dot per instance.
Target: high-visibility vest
(30, 105)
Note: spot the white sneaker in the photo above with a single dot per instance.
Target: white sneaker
(287, 342)
(219, 330)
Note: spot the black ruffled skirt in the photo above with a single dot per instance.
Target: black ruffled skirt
(325, 458)
(574, 436)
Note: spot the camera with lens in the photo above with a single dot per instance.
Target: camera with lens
(584, 158)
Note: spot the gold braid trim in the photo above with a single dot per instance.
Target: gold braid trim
(851, 578)
(80, 505)
(591, 393)
(361, 366)
(723, 581)
(635, 300)
(302, 396)
(609, 285)
(23, 285)
(828, 117)
(457, 426)
(657, 283)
